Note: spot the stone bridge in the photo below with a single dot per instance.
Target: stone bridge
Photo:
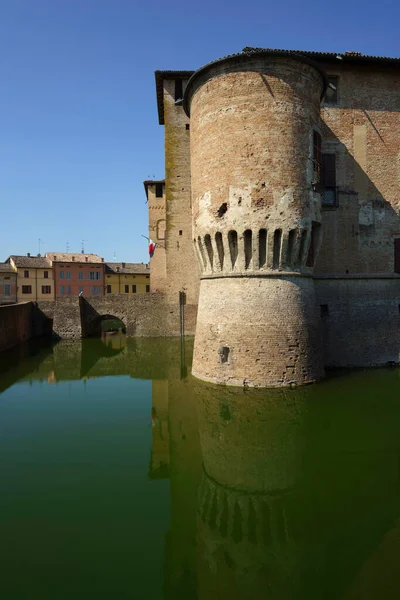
(144, 315)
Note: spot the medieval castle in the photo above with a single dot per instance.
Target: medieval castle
(279, 213)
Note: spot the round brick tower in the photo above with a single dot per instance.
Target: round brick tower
(254, 145)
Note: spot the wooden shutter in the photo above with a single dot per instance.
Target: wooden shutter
(329, 170)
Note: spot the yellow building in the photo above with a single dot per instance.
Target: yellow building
(35, 279)
(127, 278)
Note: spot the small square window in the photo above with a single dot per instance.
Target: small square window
(159, 190)
(180, 232)
(324, 308)
(178, 89)
(331, 94)
(187, 126)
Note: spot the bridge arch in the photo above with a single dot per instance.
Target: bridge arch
(106, 324)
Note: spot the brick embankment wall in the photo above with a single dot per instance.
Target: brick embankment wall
(360, 320)
(21, 322)
(144, 315)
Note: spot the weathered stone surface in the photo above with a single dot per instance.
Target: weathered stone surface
(255, 217)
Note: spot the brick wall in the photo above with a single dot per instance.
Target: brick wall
(363, 131)
(21, 322)
(360, 320)
(182, 268)
(251, 150)
(157, 229)
(144, 315)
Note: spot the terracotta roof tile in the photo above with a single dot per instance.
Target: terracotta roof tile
(119, 267)
(32, 262)
(74, 257)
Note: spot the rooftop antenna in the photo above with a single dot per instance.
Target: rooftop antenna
(67, 246)
(83, 246)
(114, 257)
(40, 242)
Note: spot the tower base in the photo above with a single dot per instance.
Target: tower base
(259, 331)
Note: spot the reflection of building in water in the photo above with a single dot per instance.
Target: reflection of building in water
(159, 460)
(113, 340)
(252, 447)
(298, 490)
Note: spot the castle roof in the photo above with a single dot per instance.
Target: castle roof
(151, 182)
(344, 57)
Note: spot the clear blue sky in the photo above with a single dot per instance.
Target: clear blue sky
(78, 117)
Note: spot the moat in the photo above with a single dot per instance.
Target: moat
(124, 477)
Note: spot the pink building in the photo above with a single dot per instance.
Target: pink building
(77, 273)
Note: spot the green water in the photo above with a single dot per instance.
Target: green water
(122, 477)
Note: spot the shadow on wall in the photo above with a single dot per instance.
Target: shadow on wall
(360, 313)
(359, 224)
(94, 324)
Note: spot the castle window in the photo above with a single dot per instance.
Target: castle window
(187, 126)
(180, 232)
(159, 190)
(224, 354)
(248, 247)
(178, 90)
(233, 247)
(202, 253)
(328, 180)
(277, 247)
(262, 247)
(220, 248)
(290, 247)
(302, 247)
(324, 308)
(209, 248)
(331, 94)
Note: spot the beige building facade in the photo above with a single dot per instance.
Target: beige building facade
(8, 284)
(127, 278)
(35, 281)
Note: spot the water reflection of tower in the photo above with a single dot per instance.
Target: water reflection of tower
(252, 448)
(159, 461)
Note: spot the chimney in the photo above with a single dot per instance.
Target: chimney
(123, 265)
(102, 260)
(73, 258)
